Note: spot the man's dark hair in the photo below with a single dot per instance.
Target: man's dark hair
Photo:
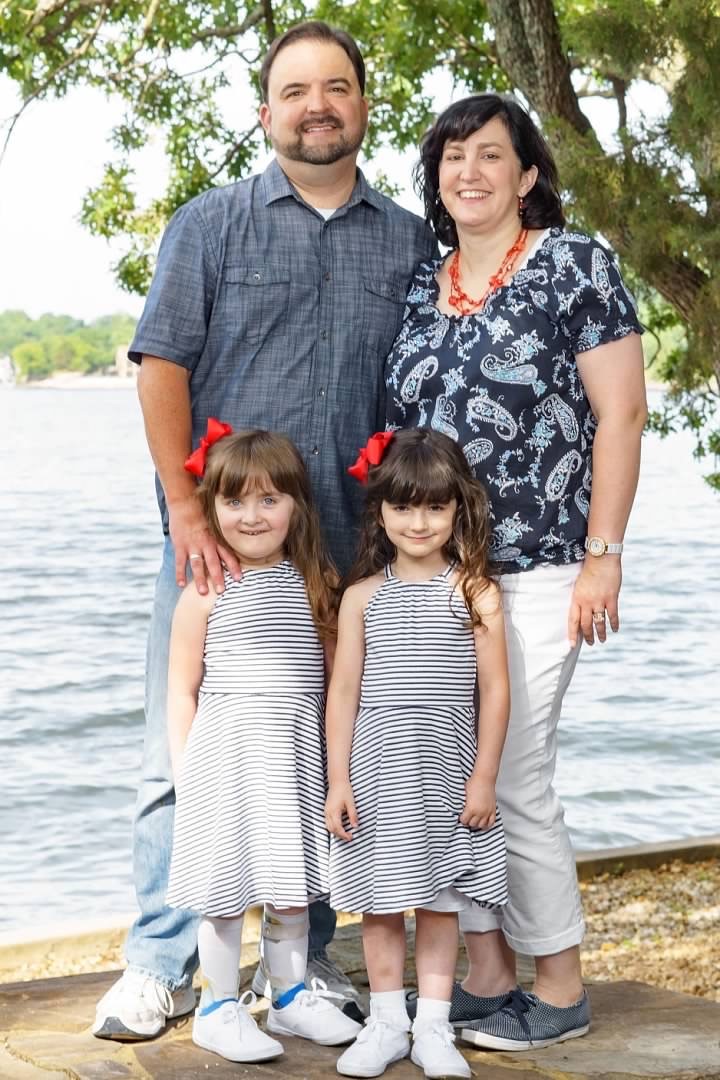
(542, 208)
(313, 31)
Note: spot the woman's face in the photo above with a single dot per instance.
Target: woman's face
(481, 179)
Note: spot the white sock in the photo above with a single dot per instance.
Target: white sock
(219, 943)
(285, 945)
(389, 1005)
(431, 1011)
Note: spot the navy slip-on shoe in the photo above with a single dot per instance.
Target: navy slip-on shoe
(524, 1022)
(465, 1008)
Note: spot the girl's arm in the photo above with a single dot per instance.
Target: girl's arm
(494, 688)
(342, 705)
(614, 380)
(185, 670)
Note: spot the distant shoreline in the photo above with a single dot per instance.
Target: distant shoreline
(71, 380)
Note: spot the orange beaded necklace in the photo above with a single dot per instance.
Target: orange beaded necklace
(464, 303)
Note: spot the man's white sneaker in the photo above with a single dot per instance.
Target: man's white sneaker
(230, 1031)
(377, 1046)
(310, 1015)
(138, 1007)
(434, 1051)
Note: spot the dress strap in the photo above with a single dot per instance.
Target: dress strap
(449, 569)
(388, 571)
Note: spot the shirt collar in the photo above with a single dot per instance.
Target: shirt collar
(276, 186)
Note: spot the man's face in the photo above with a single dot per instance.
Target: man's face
(315, 112)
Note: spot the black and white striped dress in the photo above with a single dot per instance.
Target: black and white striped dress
(249, 824)
(413, 748)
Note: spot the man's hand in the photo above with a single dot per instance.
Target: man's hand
(596, 591)
(192, 541)
(340, 805)
(479, 809)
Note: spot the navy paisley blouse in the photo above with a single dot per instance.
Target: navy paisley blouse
(505, 385)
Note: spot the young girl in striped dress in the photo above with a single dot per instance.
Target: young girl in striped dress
(411, 802)
(245, 711)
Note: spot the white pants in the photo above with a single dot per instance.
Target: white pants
(544, 914)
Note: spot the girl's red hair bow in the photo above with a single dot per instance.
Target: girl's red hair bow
(195, 464)
(371, 454)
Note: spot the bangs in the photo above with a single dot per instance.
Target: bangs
(255, 461)
(415, 481)
(463, 120)
(235, 483)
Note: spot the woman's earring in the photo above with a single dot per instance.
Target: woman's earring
(521, 206)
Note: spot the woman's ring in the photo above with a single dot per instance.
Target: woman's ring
(191, 557)
(597, 616)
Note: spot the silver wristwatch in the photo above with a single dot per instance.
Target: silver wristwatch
(595, 545)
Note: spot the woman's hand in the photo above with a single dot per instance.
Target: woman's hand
(596, 591)
(479, 809)
(340, 805)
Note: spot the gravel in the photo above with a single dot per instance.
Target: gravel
(659, 926)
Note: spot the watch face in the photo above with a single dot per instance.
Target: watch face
(596, 546)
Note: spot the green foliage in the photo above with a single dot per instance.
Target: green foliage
(51, 343)
(187, 73)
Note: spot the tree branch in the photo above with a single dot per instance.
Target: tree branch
(74, 56)
(237, 30)
(269, 16)
(234, 150)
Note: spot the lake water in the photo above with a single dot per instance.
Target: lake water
(80, 542)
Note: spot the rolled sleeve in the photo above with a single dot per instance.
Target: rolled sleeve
(595, 307)
(174, 323)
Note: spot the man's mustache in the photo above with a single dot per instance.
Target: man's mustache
(316, 120)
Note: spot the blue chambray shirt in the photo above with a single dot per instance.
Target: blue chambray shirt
(284, 320)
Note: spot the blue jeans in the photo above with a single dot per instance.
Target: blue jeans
(162, 942)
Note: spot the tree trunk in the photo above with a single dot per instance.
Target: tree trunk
(530, 51)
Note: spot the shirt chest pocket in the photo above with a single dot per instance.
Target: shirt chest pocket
(383, 303)
(254, 301)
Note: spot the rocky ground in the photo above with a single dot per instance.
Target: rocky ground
(661, 927)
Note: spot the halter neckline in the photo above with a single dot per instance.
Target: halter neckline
(443, 574)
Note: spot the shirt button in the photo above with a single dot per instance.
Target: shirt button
(321, 392)
(256, 277)
(327, 275)
(323, 335)
(315, 450)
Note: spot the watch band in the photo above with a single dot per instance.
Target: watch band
(596, 546)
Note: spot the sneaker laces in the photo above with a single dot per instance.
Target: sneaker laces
(316, 993)
(153, 993)
(331, 970)
(373, 1026)
(516, 1004)
(437, 1029)
(239, 1014)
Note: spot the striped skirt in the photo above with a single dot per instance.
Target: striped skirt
(408, 771)
(249, 819)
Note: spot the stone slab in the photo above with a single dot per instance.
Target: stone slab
(638, 1033)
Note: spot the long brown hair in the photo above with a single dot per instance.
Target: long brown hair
(424, 466)
(238, 463)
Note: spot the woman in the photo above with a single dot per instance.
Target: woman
(524, 346)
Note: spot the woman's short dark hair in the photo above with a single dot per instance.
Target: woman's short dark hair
(313, 31)
(542, 206)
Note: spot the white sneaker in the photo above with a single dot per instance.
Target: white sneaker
(322, 968)
(434, 1051)
(138, 1007)
(231, 1032)
(334, 978)
(311, 1016)
(377, 1046)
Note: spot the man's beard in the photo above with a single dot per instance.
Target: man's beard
(320, 155)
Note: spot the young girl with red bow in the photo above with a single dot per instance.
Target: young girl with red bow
(245, 711)
(411, 802)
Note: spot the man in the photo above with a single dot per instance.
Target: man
(274, 303)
